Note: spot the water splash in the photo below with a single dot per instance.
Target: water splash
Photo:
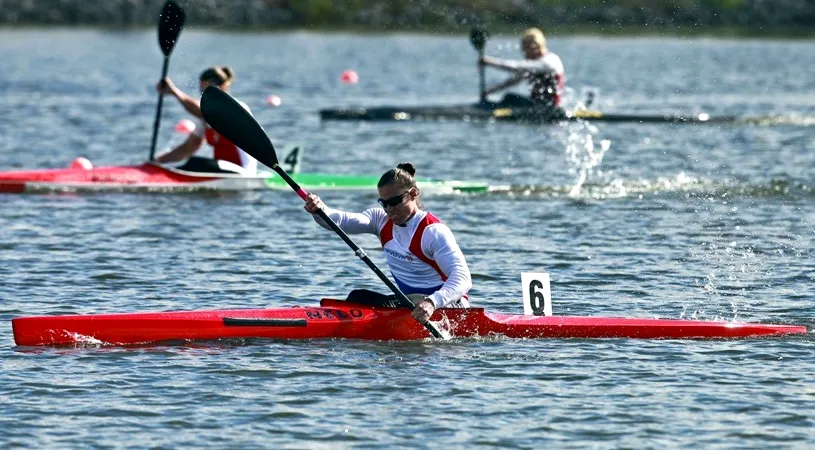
(572, 101)
(84, 341)
(444, 327)
(582, 153)
(735, 271)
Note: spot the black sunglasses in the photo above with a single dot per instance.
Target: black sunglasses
(393, 201)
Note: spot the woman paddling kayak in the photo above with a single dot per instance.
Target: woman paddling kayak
(541, 68)
(421, 251)
(227, 157)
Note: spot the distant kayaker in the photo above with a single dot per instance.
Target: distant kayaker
(421, 251)
(227, 156)
(541, 68)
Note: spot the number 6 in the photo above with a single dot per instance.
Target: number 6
(537, 294)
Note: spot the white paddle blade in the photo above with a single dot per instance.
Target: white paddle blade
(537, 294)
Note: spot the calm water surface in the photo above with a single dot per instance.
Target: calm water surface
(712, 222)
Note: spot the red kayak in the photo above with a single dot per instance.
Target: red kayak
(143, 177)
(153, 177)
(340, 319)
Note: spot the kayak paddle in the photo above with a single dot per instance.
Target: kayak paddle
(170, 23)
(478, 37)
(231, 120)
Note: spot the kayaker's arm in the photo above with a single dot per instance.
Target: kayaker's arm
(505, 85)
(503, 64)
(191, 104)
(439, 243)
(512, 65)
(526, 67)
(351, 223)
(183, 151)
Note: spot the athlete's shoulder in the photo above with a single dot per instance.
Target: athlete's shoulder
(436, 228)
(554, 61)
(438, 237)
(431, 218)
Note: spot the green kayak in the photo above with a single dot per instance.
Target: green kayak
(322, 181)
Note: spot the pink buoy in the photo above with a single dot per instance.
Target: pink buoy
(349, 77)
(274, 100)
(185, 126)
(81, 163)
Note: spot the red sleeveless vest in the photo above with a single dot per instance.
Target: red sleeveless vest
(223, 148)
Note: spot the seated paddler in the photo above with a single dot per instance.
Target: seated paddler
(226, 156)
(541, 69)
(424, 258)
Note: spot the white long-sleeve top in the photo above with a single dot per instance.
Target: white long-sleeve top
(413, 275)
(546, 75)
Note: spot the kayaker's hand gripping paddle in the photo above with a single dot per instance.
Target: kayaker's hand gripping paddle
(233, 121)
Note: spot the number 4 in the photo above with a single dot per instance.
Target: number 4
(293, 160)
(537, 294)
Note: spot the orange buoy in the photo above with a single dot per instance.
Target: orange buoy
(349, 77)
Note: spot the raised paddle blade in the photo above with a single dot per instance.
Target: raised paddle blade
(478, 37)
(234, 122)
(170, 24)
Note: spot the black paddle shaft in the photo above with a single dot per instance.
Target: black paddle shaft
(478, 37)
(157, 121)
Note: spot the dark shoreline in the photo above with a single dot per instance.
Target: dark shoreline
(571, 31)
(731, 18)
